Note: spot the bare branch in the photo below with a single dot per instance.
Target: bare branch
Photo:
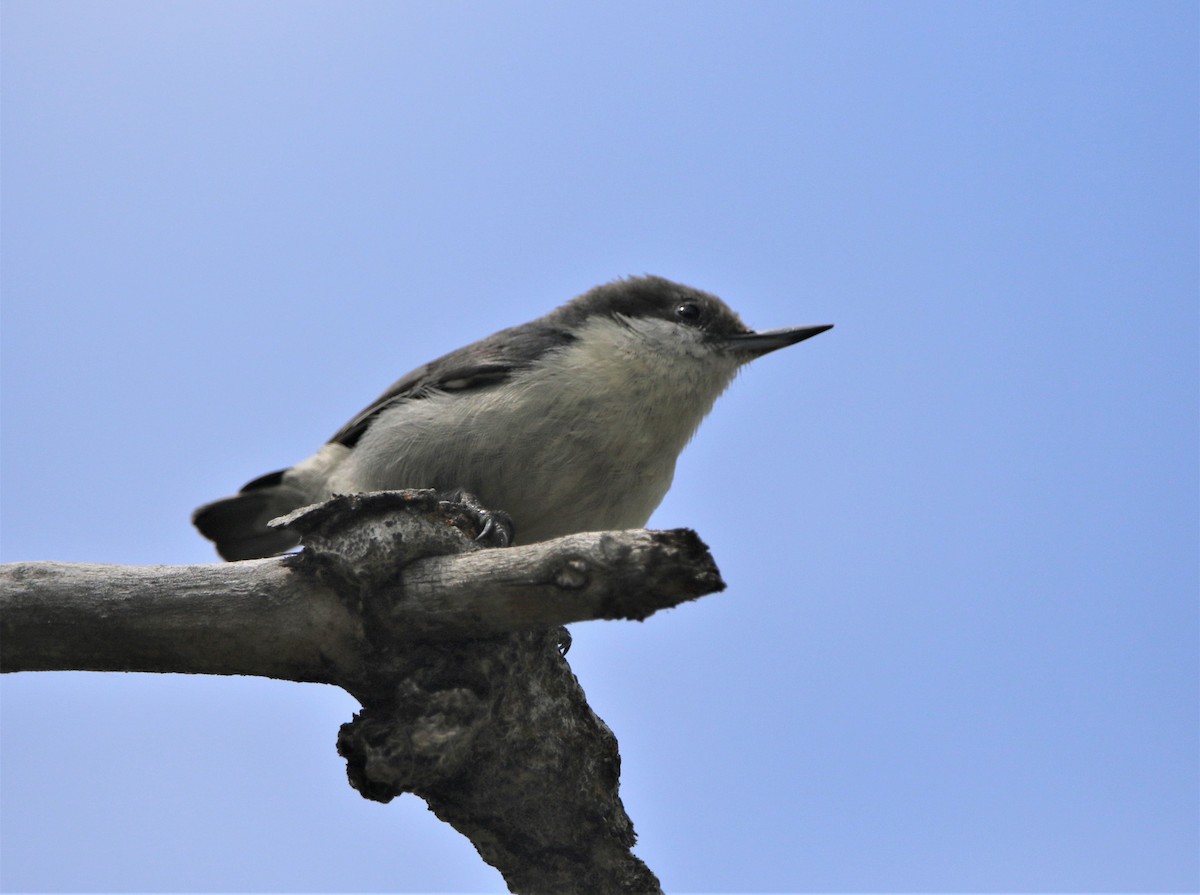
(451, 648)
(238, 618)
(308, 617)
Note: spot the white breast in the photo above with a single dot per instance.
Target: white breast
(585, 441)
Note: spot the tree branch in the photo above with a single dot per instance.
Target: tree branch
(466, 699)
(236, 618)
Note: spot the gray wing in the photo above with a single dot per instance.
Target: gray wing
(482, 364)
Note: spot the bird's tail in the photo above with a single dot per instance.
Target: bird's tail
(238, 524)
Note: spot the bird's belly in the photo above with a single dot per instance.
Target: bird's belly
(554, 477)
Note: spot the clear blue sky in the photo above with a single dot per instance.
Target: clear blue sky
(959, 648)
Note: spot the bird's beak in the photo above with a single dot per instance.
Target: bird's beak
(757, 344)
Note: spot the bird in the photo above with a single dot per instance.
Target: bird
(572, 422)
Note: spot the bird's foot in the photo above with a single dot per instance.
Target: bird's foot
(494, 527)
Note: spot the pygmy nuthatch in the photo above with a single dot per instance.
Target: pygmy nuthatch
(569, 423)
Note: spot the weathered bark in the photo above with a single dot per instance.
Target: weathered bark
(497, 737)
(452, 649)
(250, 617)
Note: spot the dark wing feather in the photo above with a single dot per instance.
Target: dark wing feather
(482, 364)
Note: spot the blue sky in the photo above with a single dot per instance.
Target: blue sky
(960, 646)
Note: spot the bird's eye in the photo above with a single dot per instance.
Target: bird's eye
(687, 311)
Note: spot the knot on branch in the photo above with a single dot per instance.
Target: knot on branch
(420, 724)
(362, 541)
(388, 755)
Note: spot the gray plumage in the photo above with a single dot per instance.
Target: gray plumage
(572, 422)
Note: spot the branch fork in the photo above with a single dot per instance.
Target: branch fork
(451, 647)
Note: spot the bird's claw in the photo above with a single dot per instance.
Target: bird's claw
(495, 526)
